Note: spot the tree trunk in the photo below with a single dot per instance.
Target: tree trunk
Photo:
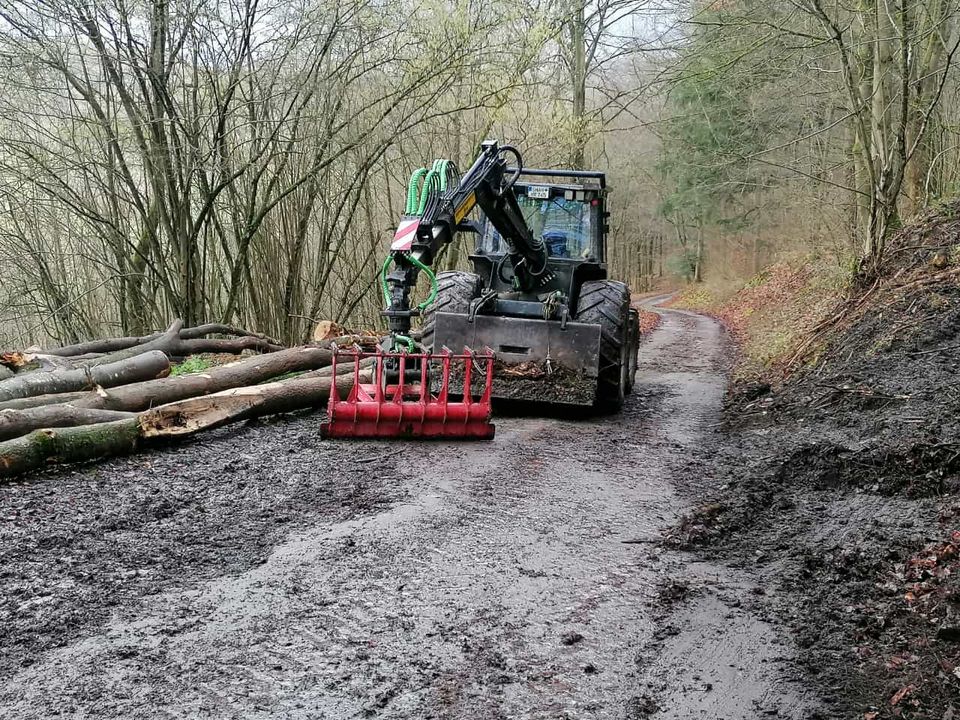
(179, 419)
(887, 156)
(44, 400)
(698, 264)
(578, 81)
(143, 395)
(143, 367)
(183, 348)
(194, 414)
(173, 345)
(15, 423)
(74, 444)
(19, 417)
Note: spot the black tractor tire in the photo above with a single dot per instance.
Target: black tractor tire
(455, 291)
(607, 304)
(633, 348)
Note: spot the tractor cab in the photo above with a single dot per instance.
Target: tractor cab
(566, 211)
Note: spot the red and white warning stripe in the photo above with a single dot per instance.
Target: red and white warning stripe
(406, 231)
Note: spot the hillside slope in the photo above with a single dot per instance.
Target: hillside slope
(837, 479)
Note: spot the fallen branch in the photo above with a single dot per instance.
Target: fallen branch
(111, 345)
(822, 329)
(161, 343)
(173, 344)
(217, 329)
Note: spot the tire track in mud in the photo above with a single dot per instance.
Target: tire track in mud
(515, 579)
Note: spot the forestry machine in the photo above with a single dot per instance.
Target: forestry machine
(536, 320)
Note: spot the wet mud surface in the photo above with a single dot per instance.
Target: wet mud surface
(261, 573)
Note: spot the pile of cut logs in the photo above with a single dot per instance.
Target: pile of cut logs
(108, 397)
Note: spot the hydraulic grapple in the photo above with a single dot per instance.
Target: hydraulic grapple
(415, 395)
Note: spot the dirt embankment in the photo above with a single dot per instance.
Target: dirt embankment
(838, 483)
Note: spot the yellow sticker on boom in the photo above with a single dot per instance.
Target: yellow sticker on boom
(461, 212)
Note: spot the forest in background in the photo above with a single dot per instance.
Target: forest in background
(244, 162)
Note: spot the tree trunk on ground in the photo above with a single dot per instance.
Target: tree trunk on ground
(220, 329)
(179, 419)
(73, 444)
(143, 395)
(44, 400)
(15, 423)
(107, 345)
(19, 417)
(194, 414)
(183, 348)
(143, 367)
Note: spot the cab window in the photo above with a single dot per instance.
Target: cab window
(566, 227)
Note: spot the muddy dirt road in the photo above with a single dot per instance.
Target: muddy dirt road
(263, 573)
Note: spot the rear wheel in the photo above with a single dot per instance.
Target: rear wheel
(633, 348)
(607, 303)
(455, 291)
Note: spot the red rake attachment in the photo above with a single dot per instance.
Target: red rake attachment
(411, 409)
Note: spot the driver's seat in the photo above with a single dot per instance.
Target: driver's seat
(556, 242)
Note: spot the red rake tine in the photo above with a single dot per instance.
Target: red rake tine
(334, 395)
(378, 377)
(467, 376)
(445, 377)
(424, 385)
(488, 387)
(400, 390)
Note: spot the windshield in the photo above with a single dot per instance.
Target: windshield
(566, 226)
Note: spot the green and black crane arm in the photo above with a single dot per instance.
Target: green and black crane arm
(438, 202)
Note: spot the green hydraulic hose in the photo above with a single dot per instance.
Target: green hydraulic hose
(383, 279)
(404, 339)
(425, 191)
(413, 190)
(416, 203)
(434, 285)
(439, 170)
(441, 166)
